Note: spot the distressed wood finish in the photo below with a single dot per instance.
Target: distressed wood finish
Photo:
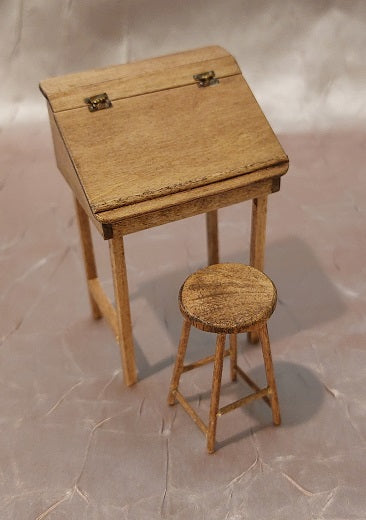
(58, 88)
(164, 151)
(226, 299)
(203, 361)
(144, 83)
(104, 304)
(212, 237)
(258, 234)
(267, 356)
(88, 254)
(233, 356)
(204, 199)
(215, 392)
(175, 137)
(121, 295)
(178, 367)
(257, 241)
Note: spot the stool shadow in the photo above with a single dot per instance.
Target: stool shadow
(300, 393)
(306, 298)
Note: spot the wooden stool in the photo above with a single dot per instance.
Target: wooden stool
(226, 299)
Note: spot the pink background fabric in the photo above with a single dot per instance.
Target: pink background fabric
(75, 443)
(304, 60)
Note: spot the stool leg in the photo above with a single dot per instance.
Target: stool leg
(233, 356)
(88, 252)
(257, 241)
(266, 349)
(212, 237)
(215, 392)
(178, 367)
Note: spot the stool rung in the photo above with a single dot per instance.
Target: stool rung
(187, 407)
(252, 384)
(244, 400)
(203, 361)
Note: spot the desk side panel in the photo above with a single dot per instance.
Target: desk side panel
(66, 167)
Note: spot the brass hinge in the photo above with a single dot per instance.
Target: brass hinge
(98, 102)
(205, 79)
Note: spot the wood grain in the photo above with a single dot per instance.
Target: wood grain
(145, 83)
(88, 253)
(58, 87)
(170, 141)
(203, 361)
(258, 232)
(233, 356)
(67, 169)
(187, 204)
(243, 401)
(215, 299)
(178, 367)
(191, 412)
(257, 242)
(215, 392)
(227, 298)
(104, 304)
(125, 339)
(267, 356)
(212, 237)
(166, 150)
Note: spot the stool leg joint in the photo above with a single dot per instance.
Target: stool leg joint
(268, 394)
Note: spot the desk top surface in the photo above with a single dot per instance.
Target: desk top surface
(163, 134)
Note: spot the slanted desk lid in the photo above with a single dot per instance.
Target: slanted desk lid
(133, 79)
(163, 134)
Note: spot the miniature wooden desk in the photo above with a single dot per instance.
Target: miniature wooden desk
(152, 142)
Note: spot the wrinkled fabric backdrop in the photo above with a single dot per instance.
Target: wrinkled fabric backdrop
(75, 443)
(305, 60)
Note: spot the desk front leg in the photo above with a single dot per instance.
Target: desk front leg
(257, 241)
(124, 325)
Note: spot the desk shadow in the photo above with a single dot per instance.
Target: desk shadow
(300, 394)
(306, 298)
(306, 295)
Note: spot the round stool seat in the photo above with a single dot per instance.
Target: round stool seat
(227, 298)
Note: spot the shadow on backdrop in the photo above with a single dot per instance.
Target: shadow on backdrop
(300, 394)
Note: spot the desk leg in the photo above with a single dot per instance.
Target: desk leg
(257, 241)
(125, 339)
(212, 237)
(88, 252)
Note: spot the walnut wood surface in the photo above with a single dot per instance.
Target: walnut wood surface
(67, 92)
(123, 312)
(227, 298)
(212, 237)
(267, 357)
(88, 254)
(258, 241)
(166, 150)
(170, 141)
(130, 86)
(143, 215)
(215, 392)
(67, 169)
